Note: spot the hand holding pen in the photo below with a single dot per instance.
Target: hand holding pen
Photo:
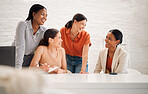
(44, 66)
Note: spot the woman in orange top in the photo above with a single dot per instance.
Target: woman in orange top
(76, 42)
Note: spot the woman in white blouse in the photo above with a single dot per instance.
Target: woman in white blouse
(28, 35)
(112, 59)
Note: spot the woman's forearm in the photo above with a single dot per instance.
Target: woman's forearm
(84, 57)
(84, 62)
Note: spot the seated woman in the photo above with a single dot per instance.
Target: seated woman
(50, 53)
(112, 59)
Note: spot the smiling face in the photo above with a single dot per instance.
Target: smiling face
(40, 17)
(111, 41)
(80, 25)
(57, 40)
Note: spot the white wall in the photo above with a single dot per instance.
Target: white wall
(130, 16)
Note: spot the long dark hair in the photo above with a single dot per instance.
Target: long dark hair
(117, 34)
(35, 8)
(78, 17)
(49, 33)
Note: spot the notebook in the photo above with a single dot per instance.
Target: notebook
(7, 55)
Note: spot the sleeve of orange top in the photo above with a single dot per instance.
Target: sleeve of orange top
(87, 40)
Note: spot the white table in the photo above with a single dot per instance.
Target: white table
(99, 83)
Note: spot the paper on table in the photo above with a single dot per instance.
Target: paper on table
(52, 69)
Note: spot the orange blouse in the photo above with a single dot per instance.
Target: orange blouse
(74, 48)
(109, 64)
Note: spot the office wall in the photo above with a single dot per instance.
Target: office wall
(130, 16)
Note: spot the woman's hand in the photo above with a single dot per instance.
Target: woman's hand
(59, 71)
(107, 71)
(45, 67)
(83, 72)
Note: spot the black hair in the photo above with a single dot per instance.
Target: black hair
(35, 8)
(78, 17)
(49, 33)
(117, 34)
